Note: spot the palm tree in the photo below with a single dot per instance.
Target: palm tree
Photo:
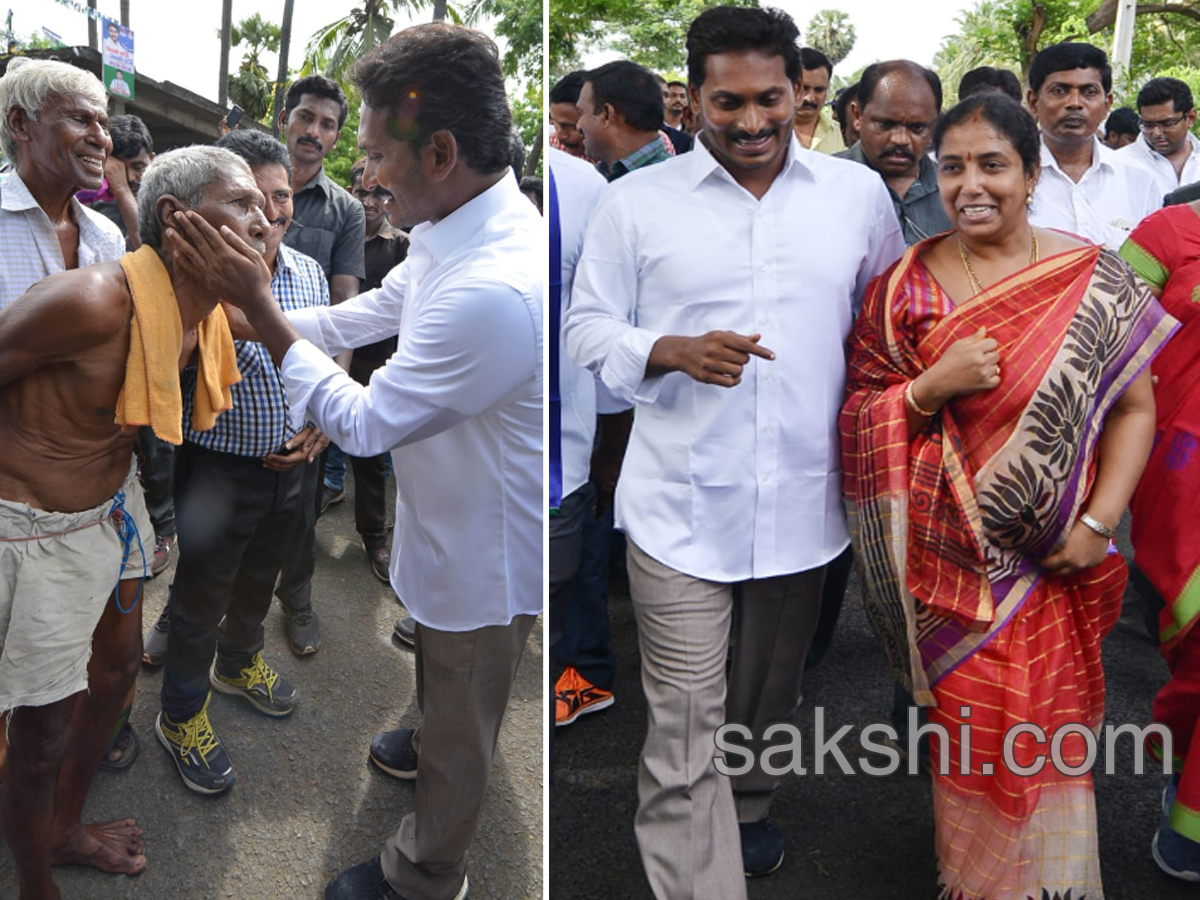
(335, 47)
(250, 88)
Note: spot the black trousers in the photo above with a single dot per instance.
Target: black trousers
(300, 556)
(235, 519)
(370, 499)
(158, 480)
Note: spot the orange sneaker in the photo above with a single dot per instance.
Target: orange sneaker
(575, 696)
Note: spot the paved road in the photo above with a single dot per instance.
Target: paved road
(307, 803)
(849, 837)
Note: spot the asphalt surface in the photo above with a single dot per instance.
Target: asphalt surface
(848, 837)
(307, 803)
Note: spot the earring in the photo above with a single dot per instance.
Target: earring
(1029, 199)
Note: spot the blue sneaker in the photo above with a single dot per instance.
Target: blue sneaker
(762, 847)
(1176, 855)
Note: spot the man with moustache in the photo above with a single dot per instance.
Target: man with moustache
(897, 106)
(675, 104)
(620, 116)
(238, 498)
(385, 249)
(1085, 188)
(680, 140)
(730, 343)
(1166, 148)
(132, 151)
(814, 123)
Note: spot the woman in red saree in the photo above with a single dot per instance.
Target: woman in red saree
(998, 418)
(1164, 250)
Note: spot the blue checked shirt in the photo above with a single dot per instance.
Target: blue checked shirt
(258, 424)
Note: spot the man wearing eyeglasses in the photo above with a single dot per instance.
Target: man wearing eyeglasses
(1085, 188)
(898, 103)
(1166, 149)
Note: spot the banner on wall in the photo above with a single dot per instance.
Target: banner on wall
(118, 59)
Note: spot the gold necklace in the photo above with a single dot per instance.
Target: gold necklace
(966, 260)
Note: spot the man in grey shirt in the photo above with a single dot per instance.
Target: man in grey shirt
(897, 106)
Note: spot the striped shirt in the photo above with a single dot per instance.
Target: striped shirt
(31, 248)
(258, 423)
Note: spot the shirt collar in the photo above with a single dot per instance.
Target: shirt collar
(320, 180)
(650, 152)
(704, 164)
(1102, 158)
(1147, 150)
(16, 197)
(453, 232)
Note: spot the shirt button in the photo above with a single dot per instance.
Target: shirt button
(766, 479)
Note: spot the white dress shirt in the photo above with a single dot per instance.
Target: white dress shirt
(1142, 155)
(728, 484)
(31, 248)
(459, 405)
(579, 186)
(1103, 207)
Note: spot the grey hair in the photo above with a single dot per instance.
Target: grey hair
(29, 83)
(185, 174)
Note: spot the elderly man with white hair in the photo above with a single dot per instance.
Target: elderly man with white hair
(86, 355)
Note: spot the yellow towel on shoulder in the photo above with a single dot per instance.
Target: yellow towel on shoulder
(151, 394)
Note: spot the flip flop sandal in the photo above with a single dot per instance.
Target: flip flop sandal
(127, 743)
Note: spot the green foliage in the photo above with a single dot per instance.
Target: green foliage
(1009, 33)
(519, 22)
(341, 158)
(831, 32)
(527, 117)
(338, 45)
(650, 32)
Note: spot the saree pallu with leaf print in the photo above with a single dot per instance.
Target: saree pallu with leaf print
(950, 527)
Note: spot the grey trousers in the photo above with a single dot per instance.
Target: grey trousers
(463, 683)
(688, 814)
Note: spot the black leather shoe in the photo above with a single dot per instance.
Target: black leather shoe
(762, 847)
(367, 882)
(393, 752)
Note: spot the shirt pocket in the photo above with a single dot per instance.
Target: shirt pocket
(317, 243)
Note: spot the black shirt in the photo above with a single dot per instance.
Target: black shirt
(382, 253)
(328, 224)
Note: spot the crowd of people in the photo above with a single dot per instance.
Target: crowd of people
(955, 345)
(181, 336)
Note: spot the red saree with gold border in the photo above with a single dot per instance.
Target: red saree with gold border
(950, 527)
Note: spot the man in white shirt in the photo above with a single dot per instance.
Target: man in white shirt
(730, 342)
(460, 407)
(1166, 148)
(1084, 188)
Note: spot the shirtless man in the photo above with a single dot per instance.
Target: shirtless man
(63, 352)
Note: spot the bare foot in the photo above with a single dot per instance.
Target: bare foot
(114, 847)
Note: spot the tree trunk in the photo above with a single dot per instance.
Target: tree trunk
(1030, 33)
(226, 25)
(285, 40)
(93, 29)
(535, 152)
(439, 10)
(1106, 15)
